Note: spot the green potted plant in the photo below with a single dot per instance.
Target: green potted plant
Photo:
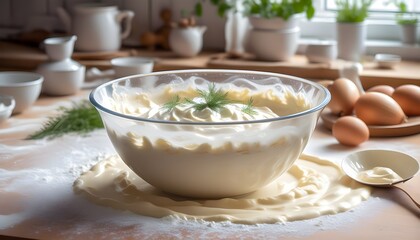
(351, 30)
(275, 32)
(407, 22)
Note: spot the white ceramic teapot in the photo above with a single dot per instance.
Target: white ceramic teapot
(188, 41)
(97, 26)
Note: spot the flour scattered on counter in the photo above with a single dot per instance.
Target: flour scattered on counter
(47, 170)
(311, 188)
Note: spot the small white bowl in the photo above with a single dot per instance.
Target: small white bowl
(126, 66)
(403, 164)
(7, 104)
(62, 77)
(387, 60)
(321, 52)
(24, 87)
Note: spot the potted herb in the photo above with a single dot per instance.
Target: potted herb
(407, 22)
(275, 32)
(274, 35)
(351, 30)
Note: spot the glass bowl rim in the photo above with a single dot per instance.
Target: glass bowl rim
(316, 108)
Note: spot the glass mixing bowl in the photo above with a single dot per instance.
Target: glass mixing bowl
(210, 159)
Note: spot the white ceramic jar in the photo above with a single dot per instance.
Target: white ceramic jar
(351, 41)
(273, 39)
(273, 45)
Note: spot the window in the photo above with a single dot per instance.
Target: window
(380, 9)
(383, 33)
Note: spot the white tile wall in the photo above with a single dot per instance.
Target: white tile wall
(53, 5)
(30, 14)
(140, 21)
(155, 8)
(214, 37)
(68, 4)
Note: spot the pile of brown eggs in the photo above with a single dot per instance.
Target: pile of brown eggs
(380, 105)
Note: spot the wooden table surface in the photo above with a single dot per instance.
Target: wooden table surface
(37, 201)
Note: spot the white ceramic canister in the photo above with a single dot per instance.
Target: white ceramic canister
(273, 45)
(408, 33)
(351, 41)
(273, 39)
(97, 26)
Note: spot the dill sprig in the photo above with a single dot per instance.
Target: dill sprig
(213, 98)
(249, 109)
(81, 118)
(175, 101)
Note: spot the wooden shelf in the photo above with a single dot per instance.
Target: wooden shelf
(20, 57)
(405, 73)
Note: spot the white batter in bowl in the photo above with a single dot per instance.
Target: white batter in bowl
(209, 153)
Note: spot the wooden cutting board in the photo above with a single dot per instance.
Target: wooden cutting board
(18, 56)
(404, 73)
(411, 127)
(15, 56)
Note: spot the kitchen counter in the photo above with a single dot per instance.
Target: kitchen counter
(37, 199)
(36, 177)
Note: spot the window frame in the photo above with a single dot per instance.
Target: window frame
(383, 34)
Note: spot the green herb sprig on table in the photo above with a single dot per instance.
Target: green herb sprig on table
(213, 98)
(81, 118)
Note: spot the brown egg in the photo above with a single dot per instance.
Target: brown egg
(350, 131)
(375, 108)
(408, 97)
(385, 89)
(344, 95)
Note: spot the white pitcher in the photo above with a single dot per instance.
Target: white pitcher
(97, 26)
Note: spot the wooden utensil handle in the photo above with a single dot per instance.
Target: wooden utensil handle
(410, 189)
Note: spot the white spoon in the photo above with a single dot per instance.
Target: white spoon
(402, 164)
